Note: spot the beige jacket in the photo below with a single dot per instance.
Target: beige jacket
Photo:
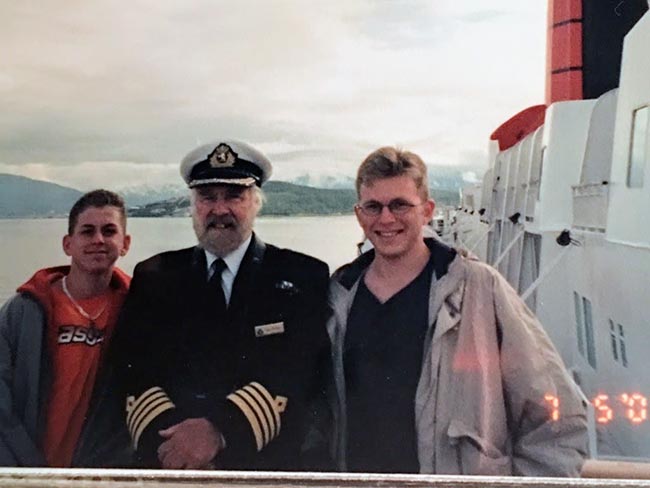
(488, 368)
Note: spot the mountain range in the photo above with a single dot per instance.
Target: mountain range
(281, 198)
(441, 177)
(22, 197)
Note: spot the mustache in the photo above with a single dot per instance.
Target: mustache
(213, 221)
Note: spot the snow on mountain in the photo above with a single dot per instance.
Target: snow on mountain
(138, 195)
(440, 177)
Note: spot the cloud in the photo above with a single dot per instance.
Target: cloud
(89, 175)
(316, 85)
(481, 15)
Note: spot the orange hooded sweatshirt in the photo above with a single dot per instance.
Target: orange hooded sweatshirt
(76, 346)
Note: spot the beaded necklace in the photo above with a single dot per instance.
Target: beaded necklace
(79, 308)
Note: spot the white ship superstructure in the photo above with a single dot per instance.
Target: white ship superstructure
(563, 214)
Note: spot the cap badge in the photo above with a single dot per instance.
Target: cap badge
(222, 157)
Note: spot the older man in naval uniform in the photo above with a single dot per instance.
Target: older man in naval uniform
(223, 342)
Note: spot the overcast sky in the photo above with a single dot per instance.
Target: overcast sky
(93, 94)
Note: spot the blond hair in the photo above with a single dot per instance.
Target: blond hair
(388, 162)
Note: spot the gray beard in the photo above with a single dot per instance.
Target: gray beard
(220, 242)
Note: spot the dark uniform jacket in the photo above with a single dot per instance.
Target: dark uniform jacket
(256, 373)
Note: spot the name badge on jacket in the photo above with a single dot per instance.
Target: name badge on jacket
(269, 329)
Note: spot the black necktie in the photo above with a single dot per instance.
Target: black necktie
(216, 268)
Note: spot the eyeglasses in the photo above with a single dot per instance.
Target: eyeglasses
(398, 206)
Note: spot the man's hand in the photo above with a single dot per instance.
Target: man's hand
(190, 444)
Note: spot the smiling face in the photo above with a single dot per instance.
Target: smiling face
(394, 235)
(97, 240)
(223, 216)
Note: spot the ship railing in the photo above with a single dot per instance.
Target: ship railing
(590, 206)
(630, 475)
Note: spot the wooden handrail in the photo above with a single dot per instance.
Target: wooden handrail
(595, 468)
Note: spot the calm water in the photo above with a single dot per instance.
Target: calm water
(28, 245)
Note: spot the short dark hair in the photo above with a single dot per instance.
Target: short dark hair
(96, 198)
(387, 162)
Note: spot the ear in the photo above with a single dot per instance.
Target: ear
(126, 245)
(428, 207)
(357, 213)
(66, 244)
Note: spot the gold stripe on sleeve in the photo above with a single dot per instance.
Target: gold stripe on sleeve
(255, 406)
(250, 416)
(132, 403)
(141, 422)
(144, 405)
(143, 410)
(265, 407)
(274, 408)
(148, 419)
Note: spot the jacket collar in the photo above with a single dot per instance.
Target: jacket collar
(254, 254)
(244, 280)
(344, 283)
(441, 253)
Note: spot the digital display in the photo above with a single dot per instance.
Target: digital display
(631, 406)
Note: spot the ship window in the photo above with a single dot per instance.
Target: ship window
(614, 340)
(621, 338)
(638, 145)
(580, 329)
(589, 332)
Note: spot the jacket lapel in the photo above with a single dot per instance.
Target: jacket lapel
(199, 267)
(446, 299)
(193, 281)
(341, 300)
(247, 277)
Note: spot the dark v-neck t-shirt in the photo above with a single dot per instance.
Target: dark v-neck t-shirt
(382, 361)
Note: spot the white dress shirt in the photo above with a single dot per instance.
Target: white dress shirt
(233, 262)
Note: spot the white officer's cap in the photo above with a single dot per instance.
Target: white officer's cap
(225, 162)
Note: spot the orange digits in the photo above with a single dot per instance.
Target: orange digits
(636, 411)
(555, 405)
(637, 404)
(604, 414)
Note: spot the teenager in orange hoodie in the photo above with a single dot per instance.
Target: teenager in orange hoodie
(56, 408)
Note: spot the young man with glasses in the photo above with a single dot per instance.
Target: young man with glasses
(439, 367)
